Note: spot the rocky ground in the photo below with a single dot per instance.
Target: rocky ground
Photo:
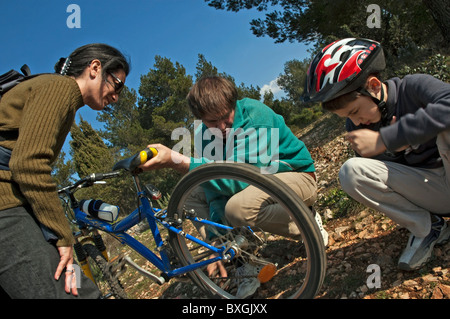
(364, 245)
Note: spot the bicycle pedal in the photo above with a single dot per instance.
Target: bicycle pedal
(158, 279)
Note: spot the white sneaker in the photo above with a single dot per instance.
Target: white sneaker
(248, 282)
(322, 230)
(419, 250)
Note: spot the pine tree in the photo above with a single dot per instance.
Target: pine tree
(89, 152)
(62, 171)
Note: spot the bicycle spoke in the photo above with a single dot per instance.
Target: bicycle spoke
(263, 264)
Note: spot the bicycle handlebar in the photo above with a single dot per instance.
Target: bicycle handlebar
(132, 163)
(144, 156)
(96, 177)
(129, 164)
(90, 180)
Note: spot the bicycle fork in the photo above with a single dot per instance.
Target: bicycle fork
(82, 256)
(82, 259)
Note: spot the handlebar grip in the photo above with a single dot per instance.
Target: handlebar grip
(107, 175)
(147, 154)
(95, 177)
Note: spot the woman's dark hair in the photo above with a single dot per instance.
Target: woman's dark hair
(110, 58)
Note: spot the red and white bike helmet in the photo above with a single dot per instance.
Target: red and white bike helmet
(341, 67)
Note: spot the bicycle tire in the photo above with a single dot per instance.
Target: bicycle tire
(114, 288)
(299, 213)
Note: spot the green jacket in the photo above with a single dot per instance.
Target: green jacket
(258, 136)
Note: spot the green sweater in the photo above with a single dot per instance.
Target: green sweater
(43, 110)
(260, 137)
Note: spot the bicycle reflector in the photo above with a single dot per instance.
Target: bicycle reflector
(267, 273)
(152, 191)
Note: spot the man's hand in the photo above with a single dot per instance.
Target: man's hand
(216, 269)
(166, 158)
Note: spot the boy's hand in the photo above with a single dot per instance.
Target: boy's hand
(366, 143)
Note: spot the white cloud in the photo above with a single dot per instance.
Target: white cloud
(272, 86)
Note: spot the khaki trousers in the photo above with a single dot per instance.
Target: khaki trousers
(254, 208)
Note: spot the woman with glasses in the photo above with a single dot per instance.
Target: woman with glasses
(36, 255)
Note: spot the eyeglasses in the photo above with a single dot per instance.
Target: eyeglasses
(118, 85)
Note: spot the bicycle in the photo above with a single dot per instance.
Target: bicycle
(272, 265)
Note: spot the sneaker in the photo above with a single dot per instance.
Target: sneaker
(248, 281)
(419, 250)
(322, 230)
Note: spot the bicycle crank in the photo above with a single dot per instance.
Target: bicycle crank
(157, 279)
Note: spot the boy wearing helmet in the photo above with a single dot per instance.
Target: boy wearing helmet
(400, 130)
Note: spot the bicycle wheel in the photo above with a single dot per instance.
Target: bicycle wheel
(106, 281)
(267, 265)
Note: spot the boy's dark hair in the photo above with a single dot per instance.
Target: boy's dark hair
(342, 101)
(212, 95)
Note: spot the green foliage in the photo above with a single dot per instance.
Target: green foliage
(402, 22)
(162, 102)
(410, 31)
(436, 65)
(339, 202)
(292, 81)
(206, 68)
(307, 116)
(89, 152)
(62, 171)
(296, 113)
(122, 122)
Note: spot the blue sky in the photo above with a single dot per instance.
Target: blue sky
(36, 32)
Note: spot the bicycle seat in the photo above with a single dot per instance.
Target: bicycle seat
(132, 163)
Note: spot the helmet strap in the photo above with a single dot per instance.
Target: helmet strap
(379, 102)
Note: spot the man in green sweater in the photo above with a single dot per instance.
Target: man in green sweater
(242, 131)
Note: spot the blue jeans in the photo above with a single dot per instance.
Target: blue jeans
(28, 262)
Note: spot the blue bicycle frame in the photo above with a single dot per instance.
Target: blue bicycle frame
(145, 210)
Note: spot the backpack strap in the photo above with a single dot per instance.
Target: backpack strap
(5, 156)
(25, 70)
(9, 135)
(11, 78)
